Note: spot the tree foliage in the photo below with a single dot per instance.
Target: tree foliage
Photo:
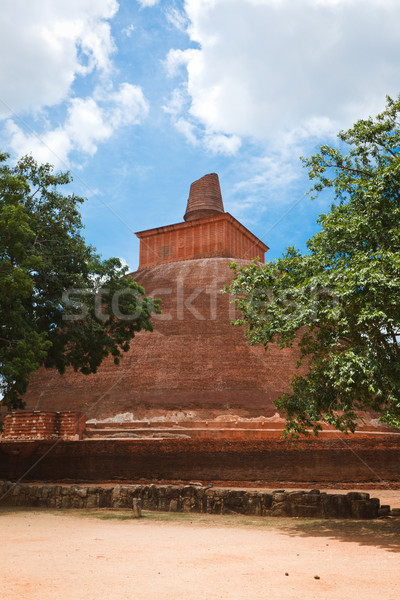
(61, 305)
(340, 301)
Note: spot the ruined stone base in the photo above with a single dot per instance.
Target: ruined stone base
(196, 499)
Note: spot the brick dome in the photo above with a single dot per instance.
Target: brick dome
(194, 360)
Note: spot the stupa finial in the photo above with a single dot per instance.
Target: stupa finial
(205, 198)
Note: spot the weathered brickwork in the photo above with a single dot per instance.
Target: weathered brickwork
(322, 462)
(208, 232)
(71, 424)
(195, 360)
(220, 235)
(236, 430)
(205, 198)
(43, 425)
(197, 499)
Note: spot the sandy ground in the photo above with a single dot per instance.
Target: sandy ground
(83, 555)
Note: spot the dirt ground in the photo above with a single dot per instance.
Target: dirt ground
(92, 555)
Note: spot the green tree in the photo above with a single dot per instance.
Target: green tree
(60, 304)
(340, 302)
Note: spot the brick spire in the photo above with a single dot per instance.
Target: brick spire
(205, 198)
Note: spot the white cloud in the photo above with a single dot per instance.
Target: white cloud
(124, 263)
(129, 106)
(86, 125)
(89, 122)
(177, 19)
(148, 2)
(49, 45)
(219, 143)
(46, 45)
(176, 103)
(129, 30)
(187, 129)
(271, 67)
(177, 58)
(52, 146)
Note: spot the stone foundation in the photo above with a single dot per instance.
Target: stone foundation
(197, 499)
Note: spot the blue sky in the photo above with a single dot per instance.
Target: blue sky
(140, 98)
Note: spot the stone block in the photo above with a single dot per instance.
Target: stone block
(81, 492)
(312, 499)
(105, 498)
(254, 506)
(335, 506)
(16, 490)
(357, 496)
(236, 501)
(188, 491)
(174, 505)
(65, 502)
(305, 510)
(92, 501)
(280, 509)
(296, 496)
(279, 497)
(383, 511)
(136, 508)
(267, 500)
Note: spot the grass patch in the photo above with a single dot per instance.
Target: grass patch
(197, 519)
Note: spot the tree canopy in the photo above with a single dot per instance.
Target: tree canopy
(61, 305)
(340, 302)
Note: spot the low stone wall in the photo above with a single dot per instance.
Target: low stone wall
(43, 425)
(196, 499)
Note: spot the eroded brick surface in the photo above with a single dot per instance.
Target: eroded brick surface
(194, 360)
(330, 461)
(43, 425)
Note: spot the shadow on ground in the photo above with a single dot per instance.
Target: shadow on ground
(381, 533)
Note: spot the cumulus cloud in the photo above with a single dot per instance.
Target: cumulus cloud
(267, 67)
(219, 143)
(49, 46)
(89, 122)
(177, 58)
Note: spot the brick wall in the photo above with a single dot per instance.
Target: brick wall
(313, 462)
(220, 235)
(71, 424)
(43, 425)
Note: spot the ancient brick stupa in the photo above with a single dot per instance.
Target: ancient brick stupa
(195, 365)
